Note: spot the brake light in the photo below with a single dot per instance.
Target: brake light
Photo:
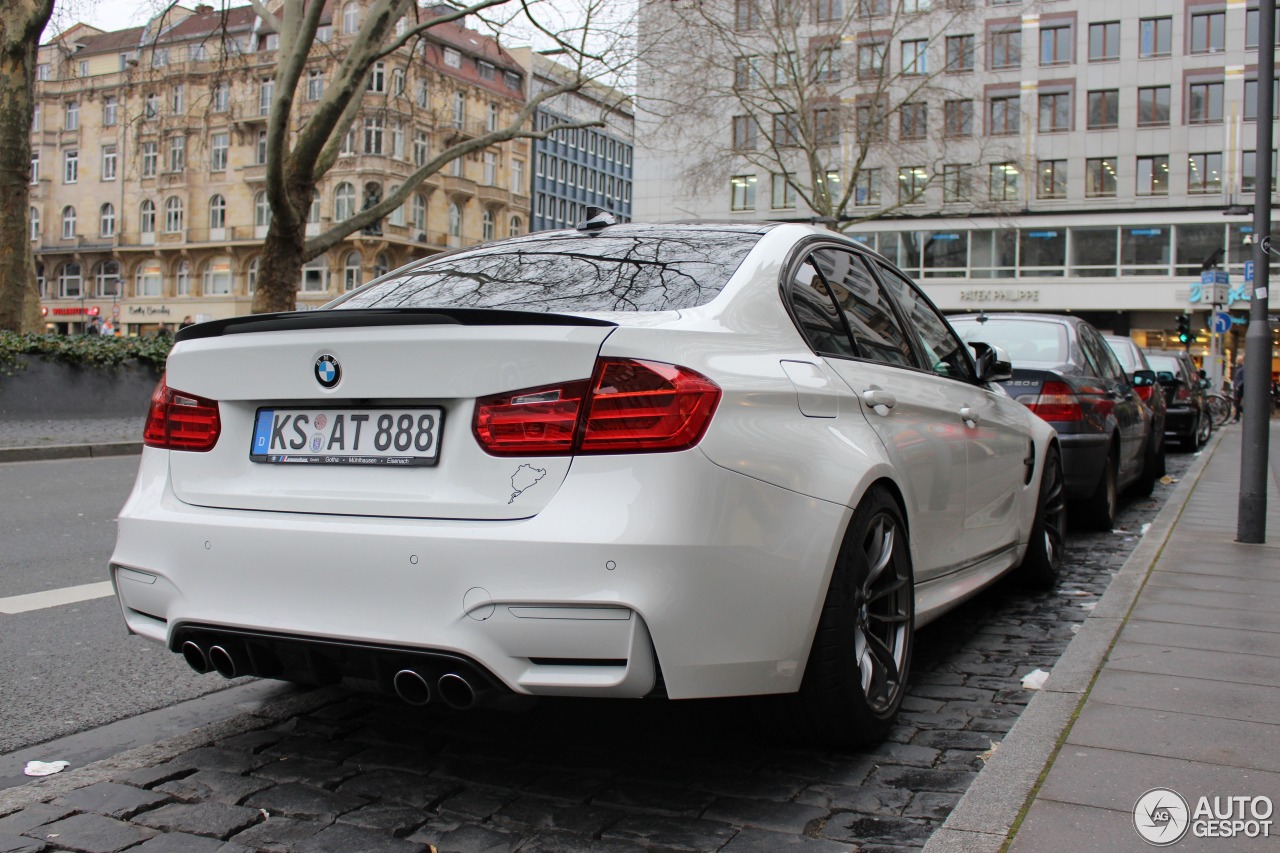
(1182, 395)
(628, 406)
(181, 421)
(1057, 402)
(1144, 391)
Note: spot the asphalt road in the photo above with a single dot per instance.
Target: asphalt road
(72, 667)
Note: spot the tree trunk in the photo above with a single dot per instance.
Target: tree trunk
(20, 27)
(280, 272)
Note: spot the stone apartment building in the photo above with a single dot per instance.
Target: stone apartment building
(149, 151)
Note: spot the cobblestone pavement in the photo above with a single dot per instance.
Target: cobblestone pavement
(368, 774)
(50, 432)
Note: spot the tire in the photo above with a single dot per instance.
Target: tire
(858, 666)
(1152, 469)
(1098, 511)
(1042, 564)
(1220, 409)
(1203, 431)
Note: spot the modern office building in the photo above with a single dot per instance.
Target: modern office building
(578, 167)
(149, 150)
(1086, 156)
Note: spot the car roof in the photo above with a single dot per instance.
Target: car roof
(1066, 319)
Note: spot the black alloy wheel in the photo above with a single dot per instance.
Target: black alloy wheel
(1048, 543)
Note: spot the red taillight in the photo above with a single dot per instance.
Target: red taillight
(181, 421)
(628, 406)
(1182, 395)
(1057, 402)
(1144, 391)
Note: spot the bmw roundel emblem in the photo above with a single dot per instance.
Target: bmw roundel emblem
(328, 371)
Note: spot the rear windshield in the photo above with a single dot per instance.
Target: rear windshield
(1163, 364)
(1024, 340)
(653, 271)
(1125, 352)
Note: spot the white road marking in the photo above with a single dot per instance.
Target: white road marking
(55, 597)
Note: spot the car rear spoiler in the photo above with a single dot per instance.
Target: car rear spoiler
(362, 317)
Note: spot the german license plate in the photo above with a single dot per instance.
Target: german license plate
(375, 436)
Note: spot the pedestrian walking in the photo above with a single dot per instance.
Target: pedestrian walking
(108, 328)
(94, 327)
(1237, 387)
(186, 321)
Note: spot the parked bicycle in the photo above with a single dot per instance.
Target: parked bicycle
(1220, 407)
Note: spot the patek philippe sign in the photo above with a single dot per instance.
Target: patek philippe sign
(1000, 295)
(149, 311)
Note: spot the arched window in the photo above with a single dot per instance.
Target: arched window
(455, 220)
(420, 214)
(217, 276)
(261, 210)
(251, 275)
(70, 281)
(217, 212)
(344, 202)
(514, 226)
(486, 225)
(183, 278)
(68, 222)
(107, 220)
(41, 283)
(314, 273)
(147, 280)
(173, 214)
(351, 271)
(350, 18)
(35, 223)
(381, 266)
(147, 217)
(106, 277)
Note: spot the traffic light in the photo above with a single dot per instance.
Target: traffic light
(1184, 329)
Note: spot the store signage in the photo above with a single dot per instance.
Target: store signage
(1000, 295)
(1042, 235)
(67, 312)
(1228, 295)
(149, 310)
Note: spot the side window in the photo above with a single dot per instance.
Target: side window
(1099, 354)
(815, 313)
(876, 332)
(947, 355)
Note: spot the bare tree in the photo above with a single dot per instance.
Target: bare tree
(303, 146)
(855, 108)
(21, 22)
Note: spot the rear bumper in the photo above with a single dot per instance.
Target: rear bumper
(1180, 422)
(672, 561)
(1082, 459)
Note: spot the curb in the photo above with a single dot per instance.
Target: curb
(70, 451)
(983, 819)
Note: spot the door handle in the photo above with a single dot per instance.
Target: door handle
(969, 416)
(877, 397)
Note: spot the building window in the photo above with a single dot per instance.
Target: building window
(1003, 181)
(746, 16)
(1251, 21)
(826, 127)
(514, 226)
(173, 215)
(1104, 42)
(217, 277)
(147, 217)
(486, 226)
(1055, 44)
(1251, 100)
(491, 118)
(314, 273)
(956, 183)
(827, 10)
(148, 281)
(84, 68)
(420, 147)
(35, 223)
(70, 281)
(912, 182)
(397, 81)
(490, 172)
(108, 162)
(218, 144)
(35, 118)
(1052, 179)
(1005, 113)
(378, 78)
(107, 276)
(782, 195)
(1208, 32)
(958, 117)
(873, 8)
(915, 57)
(420, 214)
(177, 153)
(350, 18)
(151, 106)
(35, 166)
(1104, 109)
(746, 72)
(1153, 175)
(42, 71)
(1204, 104)
(315, 84)
(261, 210)
(1249, 172)
(221, 97)
(373, 135)
(459, 109)
(313, 212)
(1055, 112)
(177, 99)
(452, 58)
(71, 116)
(826, 65)
(107, 220)
(197, 52)
(743, 192)
(110, 111)
(68, 222)
(486, 70)
(344, 202)
(1204, 173)
(1155, 37)
(70, 167)
(260, 149)
(217, 212)
(150, 159)
(251, 276)
(914, 121)
(870, 59)
(517, 178)
(1100, 177)
(960, 53)
(1153, 106)
(1006, 49)
(786, 129)
(266, 90)
(455, 221)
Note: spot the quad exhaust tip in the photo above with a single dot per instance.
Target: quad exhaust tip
(412, 687)
(195, 657)
(456, 691)
(224, 662)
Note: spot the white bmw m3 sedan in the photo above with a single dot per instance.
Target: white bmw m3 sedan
(616, 461)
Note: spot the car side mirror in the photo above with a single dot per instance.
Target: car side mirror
(1203, 384)
(1167, 378)
(992, 362)
(1144, 378)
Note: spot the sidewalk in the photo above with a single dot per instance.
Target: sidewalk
(1187, 698)
(23, 441)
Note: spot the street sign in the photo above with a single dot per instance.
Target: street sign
(115, 311)
(1220, 324)
(1248, 270)
(1215, 277)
